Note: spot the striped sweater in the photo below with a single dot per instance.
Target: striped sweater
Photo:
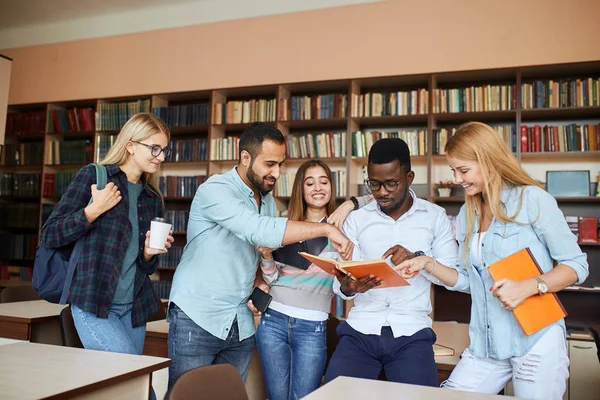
(308, 289)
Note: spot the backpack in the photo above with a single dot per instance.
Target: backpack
(53, 269)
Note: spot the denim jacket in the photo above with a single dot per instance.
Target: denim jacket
(493, 331)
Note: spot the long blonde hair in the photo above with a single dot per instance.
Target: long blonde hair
(475, 141)
(139, 127)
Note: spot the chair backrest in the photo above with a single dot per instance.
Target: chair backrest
(12, 294)
(595, 330)
(221, 381)
(68, 332)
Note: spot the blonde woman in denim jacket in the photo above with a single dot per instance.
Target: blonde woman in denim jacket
(505, 211)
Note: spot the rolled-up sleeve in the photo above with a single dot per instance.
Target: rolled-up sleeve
(551, 228)
(223, 206)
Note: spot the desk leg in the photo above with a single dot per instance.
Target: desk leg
(47, 332)
(134, 389)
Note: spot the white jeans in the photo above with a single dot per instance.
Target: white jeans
(540, 374)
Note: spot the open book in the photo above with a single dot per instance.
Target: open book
(537, 311)
(441, 350)
(359, 269)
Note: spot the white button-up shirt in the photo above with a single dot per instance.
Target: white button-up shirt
(424, 227)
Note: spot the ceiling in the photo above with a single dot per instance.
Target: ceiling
(35, 22)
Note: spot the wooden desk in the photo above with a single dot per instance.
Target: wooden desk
(451, 335)
(345, 388)
(157, 334)
(38, 371)
(4, 283)
(35, 321)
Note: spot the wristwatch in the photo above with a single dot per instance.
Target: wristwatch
(419, 253)
(542, 286)
(355, 202)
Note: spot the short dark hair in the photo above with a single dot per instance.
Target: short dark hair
(387, 150)
(254, 136)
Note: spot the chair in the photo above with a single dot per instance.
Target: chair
(595, 330)
(13, 294)
(221, 381)
(68, 332)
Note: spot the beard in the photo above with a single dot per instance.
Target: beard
(259, 182)
(396, 205)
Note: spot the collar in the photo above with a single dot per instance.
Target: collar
(242, 185)
(114, 169)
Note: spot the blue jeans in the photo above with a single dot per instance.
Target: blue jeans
(191, 347)
(405, 359)
(115, 334)
(293, 353)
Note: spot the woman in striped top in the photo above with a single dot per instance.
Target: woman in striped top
(291, 336)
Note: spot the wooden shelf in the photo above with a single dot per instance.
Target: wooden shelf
(27, 199)
(484, 116)
(391, 120)
(413, 160)
(21, 168)
(179, 199)
(330, 123)
(451, 199)
(73, 135)
(65, 167)
(534, 114)
(560, 155)
(201, 164)
(325, 160)
(592, 244)
(34, 137)
(182, 130)
(17, 263)
(239, 127)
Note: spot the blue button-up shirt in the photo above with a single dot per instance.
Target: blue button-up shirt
(216, 273)
(494, 332)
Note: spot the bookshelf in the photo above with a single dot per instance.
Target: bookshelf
(419, 103)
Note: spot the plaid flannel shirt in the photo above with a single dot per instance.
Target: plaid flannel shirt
(108, 237)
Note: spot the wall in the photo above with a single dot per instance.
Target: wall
(386, 38)
(5, 67)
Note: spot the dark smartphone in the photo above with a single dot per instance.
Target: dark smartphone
(260, 299)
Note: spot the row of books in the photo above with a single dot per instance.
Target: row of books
(317, 145)
(29, 153)
(561, 93)
(19, 216)
(323, 106)
(26, 123)
(188, 150)
(416, 139)
(183, 115)
(103, 144)
(17, 246)
(241, 112)
(180, 186)
(112, 116)
(226, 148)
(20, 185)
(585, 228)
(162, 289)
(60, 152)
(55, 185)
(560, 138)
(46, 211)
(285, 184)
(179, 219)
(413, 102)
(441, 136)
(475, 99)
(171, 259)
(72, 120)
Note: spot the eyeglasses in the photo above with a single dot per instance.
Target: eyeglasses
(156, 150)
(390, 186)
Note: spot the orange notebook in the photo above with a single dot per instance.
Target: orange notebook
(358, 269)
(538, 311)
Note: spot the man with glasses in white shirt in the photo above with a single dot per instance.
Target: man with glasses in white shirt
(389, 328)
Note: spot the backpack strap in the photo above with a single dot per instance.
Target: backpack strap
(101, 180)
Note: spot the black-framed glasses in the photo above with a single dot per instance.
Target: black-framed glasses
(155, 150)
(390, 186)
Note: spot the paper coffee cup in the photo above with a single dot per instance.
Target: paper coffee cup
(159, 230)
